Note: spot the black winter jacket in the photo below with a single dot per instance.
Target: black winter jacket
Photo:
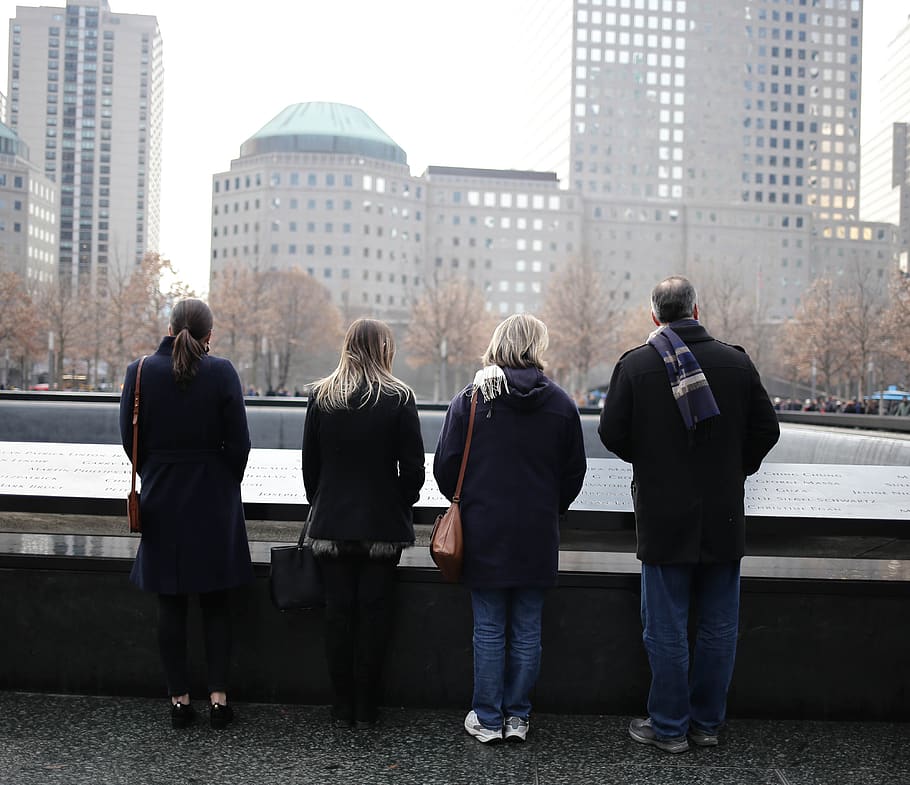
(363, 470)
(687, 490)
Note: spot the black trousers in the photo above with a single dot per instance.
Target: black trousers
(216, 629)
(360, 604)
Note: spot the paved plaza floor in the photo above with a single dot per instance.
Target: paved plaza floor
(79, 740)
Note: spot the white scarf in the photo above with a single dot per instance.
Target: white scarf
(491, 382)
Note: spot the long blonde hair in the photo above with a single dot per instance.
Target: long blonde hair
(365, 366)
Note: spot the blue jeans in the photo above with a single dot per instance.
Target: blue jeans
(505, 671)
(680, 698)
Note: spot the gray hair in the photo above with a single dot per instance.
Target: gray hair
(518, 342)
(672, 299)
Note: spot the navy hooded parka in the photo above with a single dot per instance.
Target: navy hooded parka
(526, 466)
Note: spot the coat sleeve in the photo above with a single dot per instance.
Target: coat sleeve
(615, 427)
(236, 444)
(126, 409)
(311, 461)
(411, 459)
(574, 465)
(762, 430)
(449, 448)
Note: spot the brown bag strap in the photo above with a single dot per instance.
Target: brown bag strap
(136, 424)
(467, 448)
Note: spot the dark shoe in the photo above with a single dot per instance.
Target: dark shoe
(182, 715)
(365, 716)
(342, 716)
(642, 732)
(221, 715)
(702, 738)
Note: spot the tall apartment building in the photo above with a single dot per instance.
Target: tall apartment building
(85, 93)
(719, 101)
(720, 139)
(885, 184)
(28, 214)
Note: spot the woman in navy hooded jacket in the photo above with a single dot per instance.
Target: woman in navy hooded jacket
(525, 467)
(193, 448)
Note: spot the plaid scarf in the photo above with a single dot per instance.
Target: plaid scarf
(687, 380)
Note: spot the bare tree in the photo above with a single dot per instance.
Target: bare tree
(735, 312)
(60, 308)
(811, 340)
(861, 328)
(895, 322)
(20, 327)
(301, 320)
(449, 329)
(116, 324)
(230, 303)
(151, 292)
(580, 314)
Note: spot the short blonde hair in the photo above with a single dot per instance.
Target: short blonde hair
(518, 342)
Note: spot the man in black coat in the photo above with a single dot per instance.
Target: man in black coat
(692, 417)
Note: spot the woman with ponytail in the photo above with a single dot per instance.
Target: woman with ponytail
(193, 448)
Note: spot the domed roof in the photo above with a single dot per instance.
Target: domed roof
(319, 127)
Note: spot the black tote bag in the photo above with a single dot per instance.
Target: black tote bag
(294, 578)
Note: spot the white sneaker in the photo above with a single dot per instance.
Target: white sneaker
(516, 729)
(481, 733)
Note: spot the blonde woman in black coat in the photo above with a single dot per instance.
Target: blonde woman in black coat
(363, 467)
(193, 448)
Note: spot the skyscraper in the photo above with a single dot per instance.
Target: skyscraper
(719, 101)
(886, 155)
(721, 139)
(85, 93)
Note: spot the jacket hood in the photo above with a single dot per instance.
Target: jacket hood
(528, 388)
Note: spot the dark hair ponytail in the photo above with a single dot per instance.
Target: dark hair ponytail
(191, 323)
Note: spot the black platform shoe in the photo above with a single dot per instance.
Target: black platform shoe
(182, 715)
(220, 716)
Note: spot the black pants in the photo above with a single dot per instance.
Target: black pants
(216, 628)
(360, 597)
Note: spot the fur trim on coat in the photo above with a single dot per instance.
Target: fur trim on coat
(332, 549)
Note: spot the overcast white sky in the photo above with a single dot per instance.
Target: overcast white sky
(438, 77)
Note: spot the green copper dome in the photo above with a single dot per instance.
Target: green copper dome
(319, 127)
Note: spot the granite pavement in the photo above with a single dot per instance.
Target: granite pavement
(91, 740)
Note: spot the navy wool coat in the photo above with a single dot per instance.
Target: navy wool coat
(193, 449)
(526, 466)
(363, 469)
(687, 490)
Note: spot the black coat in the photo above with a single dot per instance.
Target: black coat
(687, 490)
(526, 466)
(363, 470)
(193, 448)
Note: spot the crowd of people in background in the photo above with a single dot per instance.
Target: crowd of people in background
(837, 406)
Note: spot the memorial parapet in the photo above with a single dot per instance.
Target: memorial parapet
(818, 498)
